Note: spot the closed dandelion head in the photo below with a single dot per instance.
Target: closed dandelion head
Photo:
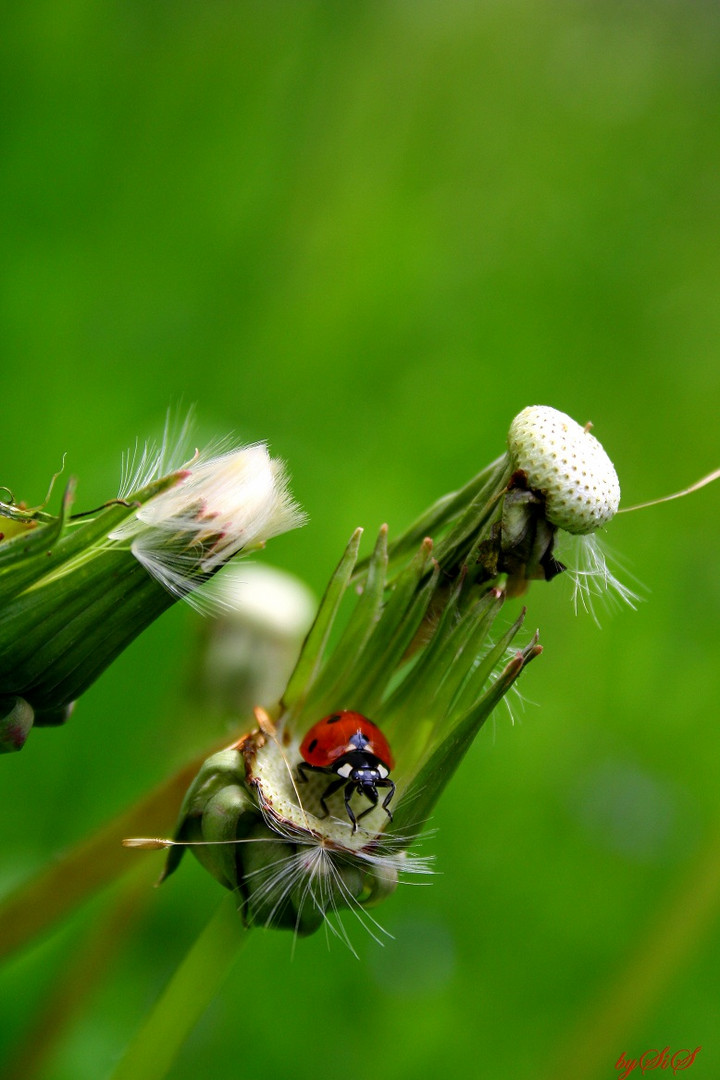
(554, 481)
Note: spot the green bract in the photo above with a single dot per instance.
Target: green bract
(421, 656)
(70, 604)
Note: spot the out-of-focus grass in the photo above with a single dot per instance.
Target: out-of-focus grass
(371, 234)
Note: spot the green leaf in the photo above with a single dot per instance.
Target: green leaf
(191, 989)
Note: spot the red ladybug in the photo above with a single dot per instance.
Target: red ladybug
(349, 746)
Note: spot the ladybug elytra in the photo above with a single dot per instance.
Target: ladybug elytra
(353, 749)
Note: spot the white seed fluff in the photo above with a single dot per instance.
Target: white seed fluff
(568, 466)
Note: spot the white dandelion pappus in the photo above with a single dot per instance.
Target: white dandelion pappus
(222, 504)
(326, 879)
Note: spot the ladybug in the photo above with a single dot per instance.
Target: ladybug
(350, 747)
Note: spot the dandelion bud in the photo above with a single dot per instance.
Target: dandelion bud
(567, 465)
(553, 490)
(563, 481)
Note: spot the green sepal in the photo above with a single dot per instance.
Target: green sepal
(226, 768)
(229, 816)
(445, 514)
(311, 659)
(55, 716)
(456, 523)
(361, 626)
(26, 558)
(459, 546)
(57, 638)
(267, 863)
(428, 783)
(377, 637)
(379, 882)
(394, 633)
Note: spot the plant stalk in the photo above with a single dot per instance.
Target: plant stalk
(186, 997)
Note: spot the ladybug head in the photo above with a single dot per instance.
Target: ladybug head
(360, 768)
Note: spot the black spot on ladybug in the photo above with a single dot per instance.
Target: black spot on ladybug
(334, 718)
(312, 745)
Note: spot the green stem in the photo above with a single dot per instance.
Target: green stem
(187, 995)
(70, 879)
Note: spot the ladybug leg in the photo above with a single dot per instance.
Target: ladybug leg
(370, 793)
(386, 801)
(330, 790)
(303, 765)
(349, 788)
(388, 798)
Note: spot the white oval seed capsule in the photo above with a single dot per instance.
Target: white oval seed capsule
(568, 465)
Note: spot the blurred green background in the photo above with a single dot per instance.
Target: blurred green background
(371, 233)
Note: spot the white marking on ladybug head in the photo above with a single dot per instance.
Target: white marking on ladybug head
(382, 771)
(344, 770)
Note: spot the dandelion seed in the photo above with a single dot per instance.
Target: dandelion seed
(588, 569)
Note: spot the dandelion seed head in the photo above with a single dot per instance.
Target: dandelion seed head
(288, 803)
(148, 461)
(568, 465)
